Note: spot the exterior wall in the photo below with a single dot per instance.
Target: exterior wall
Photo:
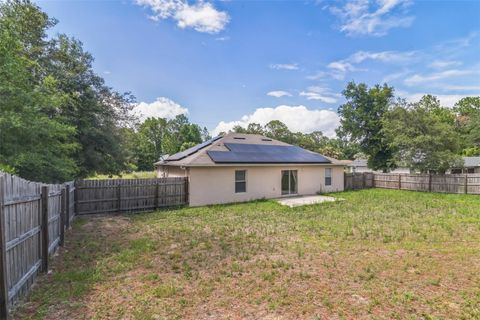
(170, 172)
(361, 169)
(216, 185)
(465, 170)
(366, 169)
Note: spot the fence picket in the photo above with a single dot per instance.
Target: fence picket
(449, 183)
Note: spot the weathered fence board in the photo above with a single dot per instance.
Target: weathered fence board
(450, 183)
(31, 225)
(354, 181)
(129, 195)
(34, 216)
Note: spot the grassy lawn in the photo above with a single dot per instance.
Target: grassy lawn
(380, 254)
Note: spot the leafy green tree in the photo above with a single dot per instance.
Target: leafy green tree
(255, 128)
(36, 141)
(361, 122)
(96, 111)
(148, 138)
(68, 122)
(422, 137)
(180, 132)
(278, 130)
(468, 124)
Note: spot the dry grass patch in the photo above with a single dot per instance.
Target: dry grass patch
(380, 254)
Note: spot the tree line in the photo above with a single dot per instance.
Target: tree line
(59, 120)
(423, 136)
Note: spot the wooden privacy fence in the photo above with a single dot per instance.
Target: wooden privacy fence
(33, 218)
(449, 183)
(354, 181)
(129, 195)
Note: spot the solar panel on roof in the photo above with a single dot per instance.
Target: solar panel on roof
(259, 153)
(192, 150)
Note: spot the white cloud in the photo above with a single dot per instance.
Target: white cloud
(279, 94)
(201, 16)
(320, 93)
(395, 76)
(362, 17)
(463, 88)
(297, 118)
(383, 56)
(284, 66)
(160, 108)
(338, 69)
(447, 100)
(440, 64)
(420, 79)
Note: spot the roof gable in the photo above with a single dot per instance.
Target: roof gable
(228, 147)
(264, 153)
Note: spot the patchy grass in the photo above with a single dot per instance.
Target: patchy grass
(126, 175)
(380, 254)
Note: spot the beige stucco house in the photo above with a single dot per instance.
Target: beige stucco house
(243, 167)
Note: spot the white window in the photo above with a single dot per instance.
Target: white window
(328, 176)
(240, 181)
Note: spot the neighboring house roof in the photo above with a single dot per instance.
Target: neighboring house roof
(238, 148)
(359, 163)
(343, 162)
(471, 161)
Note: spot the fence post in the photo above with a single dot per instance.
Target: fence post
(62, 217)
(3, 259)
(44, 217)
(466, 183)
(156, 194)
(75, 198)
(119, 197)
(363, 180)
(429, 182)
(67, 206)
(399, 181)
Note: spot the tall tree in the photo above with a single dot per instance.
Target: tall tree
(68, 120)
(36, 141)
(468, 124)
(148, 142)
(180, 135)
(424, 139)
(96, 111)
(278, 130)
(361, 122)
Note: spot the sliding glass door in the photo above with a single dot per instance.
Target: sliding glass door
(289, 182)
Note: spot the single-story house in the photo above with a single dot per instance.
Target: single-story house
(470, 165)
(360, 165)
(242, 167)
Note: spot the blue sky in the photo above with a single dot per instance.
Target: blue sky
(234, 62)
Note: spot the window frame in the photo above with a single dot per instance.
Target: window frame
(244, 181)
(328, 178)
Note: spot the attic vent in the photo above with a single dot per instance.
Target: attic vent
(239, 138)
(266, 139)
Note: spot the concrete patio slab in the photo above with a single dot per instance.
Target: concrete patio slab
(305, 200)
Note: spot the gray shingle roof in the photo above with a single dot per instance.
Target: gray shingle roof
(359, 163)
(471, 161)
